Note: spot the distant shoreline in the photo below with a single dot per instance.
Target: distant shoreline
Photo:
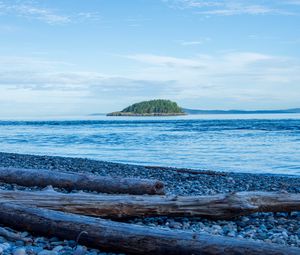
(201, 112)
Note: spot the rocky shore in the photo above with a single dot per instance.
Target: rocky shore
(280, 228)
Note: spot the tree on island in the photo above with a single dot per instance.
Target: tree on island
(152, 108)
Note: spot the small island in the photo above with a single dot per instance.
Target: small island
(158, 107)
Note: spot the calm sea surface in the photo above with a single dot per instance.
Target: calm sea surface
(239, 143)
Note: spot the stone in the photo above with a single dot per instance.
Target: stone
(176, 225)
(20, 251)
(231, 234)
(19, 243)
(80, 250)
(5, 246)
(47, 252)
(33, 250)
(57, 243)
(57, 248)
(24, 234)
(285, 235)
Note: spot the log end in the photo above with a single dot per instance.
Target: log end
(159, 188)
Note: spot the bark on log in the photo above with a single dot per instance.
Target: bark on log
(124, 206)
(129, 238)
(71, 181)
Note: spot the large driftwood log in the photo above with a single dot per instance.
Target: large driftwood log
(123, 206)
(71, 181)
(129, 238)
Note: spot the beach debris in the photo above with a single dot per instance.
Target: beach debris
(79, 181)
(130, 238)
(220, 206)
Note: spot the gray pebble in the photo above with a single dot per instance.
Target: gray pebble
(20, 251)
(47, 252)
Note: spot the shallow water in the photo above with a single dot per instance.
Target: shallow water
(239, 143)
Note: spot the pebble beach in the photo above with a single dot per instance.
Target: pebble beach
(278, 228)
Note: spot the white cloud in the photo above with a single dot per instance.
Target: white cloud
(193, 3)
(224, 80)
(230, 7)
(39, 87)
(241, 9)
(49, 77)
(164, 60)
(45, 15)
(31, 10)
(195, 42)
(234, 77)
(292, 2)
(188, 43)
(231, 60)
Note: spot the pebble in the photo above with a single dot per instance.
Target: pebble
(19, 243)
(5, 246)
(46, 252)
(80, 250)
(20, 251)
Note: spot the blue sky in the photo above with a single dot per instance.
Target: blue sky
(64, 57)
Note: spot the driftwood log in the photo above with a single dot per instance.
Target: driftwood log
(129, 238)
(77, 181)
(220, 206)
(10, 235)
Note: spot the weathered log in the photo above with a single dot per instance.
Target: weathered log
(72, 181)
(10, 235)
(129, 238)
(123, 206)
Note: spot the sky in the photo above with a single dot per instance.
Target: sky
(77, 57)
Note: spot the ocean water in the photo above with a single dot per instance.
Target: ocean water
(249, 143)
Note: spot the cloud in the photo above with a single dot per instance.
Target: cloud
(238, 9)
(231, 8)
(188, 43)
(195, 42)
(182, 4)
(164, 60)
(32, 11)
(31, 85)
(292, 2)
(46, 75)
(202, 61)
(221, 80)
(232, 77)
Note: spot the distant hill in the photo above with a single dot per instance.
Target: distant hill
(158, 107)
(193, 111)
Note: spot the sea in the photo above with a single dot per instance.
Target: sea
(250, 143)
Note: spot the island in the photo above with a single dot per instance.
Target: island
(158, 107)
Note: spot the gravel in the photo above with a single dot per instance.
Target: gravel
(280, 228)
(45, 246)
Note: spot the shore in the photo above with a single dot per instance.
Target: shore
(280, 228)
